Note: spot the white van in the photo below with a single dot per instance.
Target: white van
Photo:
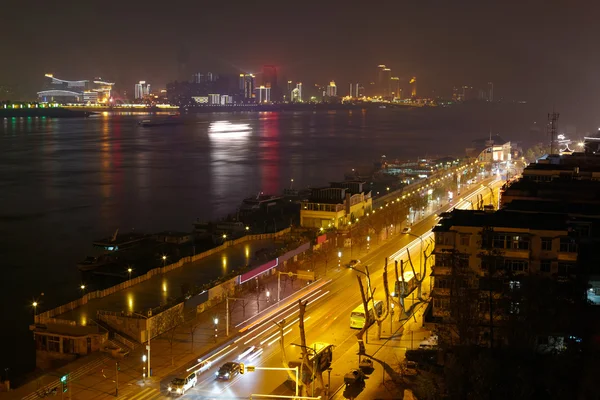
(179, 386)
(429, 343)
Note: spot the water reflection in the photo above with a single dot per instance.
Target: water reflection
(228, 151)
(269, 160)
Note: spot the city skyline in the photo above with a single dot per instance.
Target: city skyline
(444, 45)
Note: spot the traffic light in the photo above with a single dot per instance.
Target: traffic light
(242, 368)
(118, 366)
(63, 380)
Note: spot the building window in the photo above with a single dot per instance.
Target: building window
(442, 283)
(568, 245)
(442, 304)
(546, 244)
(516, 265)
(499, 241)
(464, 239)
(514, 285)
(565, 269)
(519, 242)
(545, 266)
(54, 343)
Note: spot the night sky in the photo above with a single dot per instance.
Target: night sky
(542, 52)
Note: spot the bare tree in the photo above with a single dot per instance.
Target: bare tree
(420, 277)
(360, 334)
(194, 324)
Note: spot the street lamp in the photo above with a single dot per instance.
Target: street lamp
(247, 228)
(129, 270)
(339, 259)
(216, 321)
(164, 258)
(34, 304)
(368, 242)
(268, 296)
(144, 358)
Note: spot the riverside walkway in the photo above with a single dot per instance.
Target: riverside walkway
(156, 290)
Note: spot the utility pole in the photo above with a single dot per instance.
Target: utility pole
(117, 378)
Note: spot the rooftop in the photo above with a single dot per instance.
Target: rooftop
(502, 219)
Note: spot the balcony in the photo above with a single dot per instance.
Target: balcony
(516, 253)
(440, 270)
(564, 256)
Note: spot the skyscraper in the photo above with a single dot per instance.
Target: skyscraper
(246, 86)
(396, 90)
(379, 81)
(413, 87)
(299, 87)
(269, 79)
(142, 90)
(263, 94)
(386, 83)
(331, 89)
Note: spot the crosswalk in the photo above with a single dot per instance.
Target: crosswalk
(147, 393)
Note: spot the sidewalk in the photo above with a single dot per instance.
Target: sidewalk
(100, 381)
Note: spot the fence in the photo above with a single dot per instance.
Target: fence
(48, 315)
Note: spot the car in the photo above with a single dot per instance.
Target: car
(429, 343)
(353, 263)
(409, 368)
(179, 386)
(406, 230)
(355, 376)
(228, 371)
(250, 353)
(202, 366)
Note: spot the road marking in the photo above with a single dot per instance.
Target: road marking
(147, 393)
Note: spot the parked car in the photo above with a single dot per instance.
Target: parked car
(409, 368)
(228, 371)
(429, 343)
(356, 376)
(179, 386)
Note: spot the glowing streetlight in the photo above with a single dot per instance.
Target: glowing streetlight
(339, 259)
(164, 258)
(268, 296)
(216, 321)
(129, 270)
(247, 228)
(368, 242)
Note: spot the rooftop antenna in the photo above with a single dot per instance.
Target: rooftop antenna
(552, 128)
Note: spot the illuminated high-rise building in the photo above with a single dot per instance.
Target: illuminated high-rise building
(380, 79)
(290, 87)
(246, 86)
(269, 78)
(490, 96)
(413, 87)
(331, 89)
(396, 90)
(299, 87)
(386, 83)
(263, 94)
(357, 90)
(142, 90)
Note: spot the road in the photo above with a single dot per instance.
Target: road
(327, 319)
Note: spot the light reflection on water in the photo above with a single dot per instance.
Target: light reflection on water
(75, 180)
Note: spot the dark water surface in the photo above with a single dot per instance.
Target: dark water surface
(65, 182)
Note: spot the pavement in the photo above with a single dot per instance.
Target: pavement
(156, 290)
(327, 319)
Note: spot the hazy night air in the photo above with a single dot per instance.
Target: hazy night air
(342, 199)
(531, 51)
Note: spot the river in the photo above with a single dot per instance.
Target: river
(65, 182)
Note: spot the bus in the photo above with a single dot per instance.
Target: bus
(357, 318)
(321, 354)
(404, 288)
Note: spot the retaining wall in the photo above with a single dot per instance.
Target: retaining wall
(47, 315)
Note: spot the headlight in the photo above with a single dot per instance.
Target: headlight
(227, 374)
(178, 390)
(217, 373)
(169, 388)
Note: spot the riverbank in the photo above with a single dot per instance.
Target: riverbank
(50, 112)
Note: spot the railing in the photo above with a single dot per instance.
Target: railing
(125, 341)
(47, 315)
